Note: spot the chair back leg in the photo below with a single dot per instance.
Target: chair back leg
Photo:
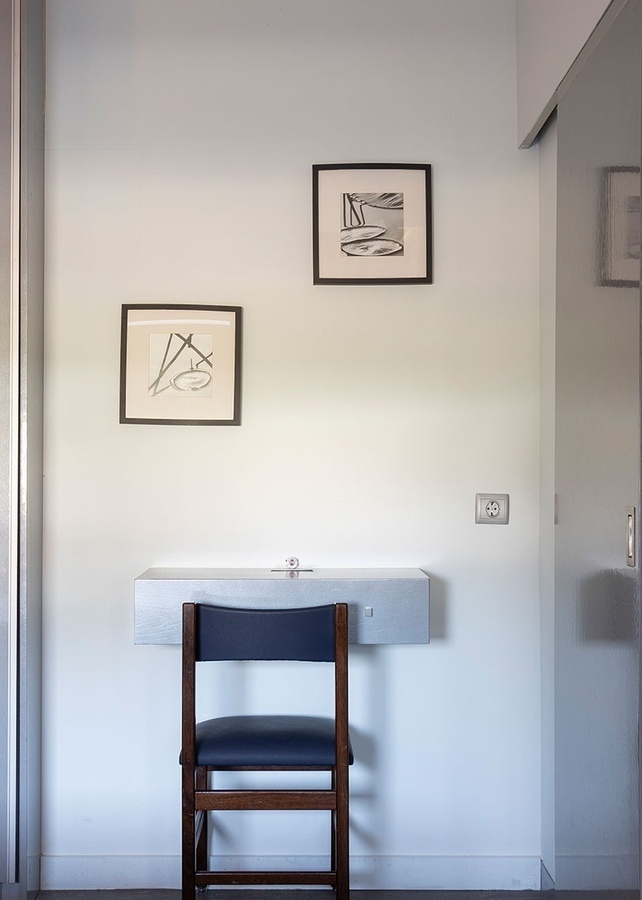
(201, 825)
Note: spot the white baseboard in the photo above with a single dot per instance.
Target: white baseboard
(459, 873)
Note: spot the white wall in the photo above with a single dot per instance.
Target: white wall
(550, 34)
(180, 143)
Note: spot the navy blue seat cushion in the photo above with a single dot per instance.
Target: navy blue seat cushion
(266, 741)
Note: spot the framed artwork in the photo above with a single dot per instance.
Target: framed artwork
(620, 227)
(180, 365)
(372, 223)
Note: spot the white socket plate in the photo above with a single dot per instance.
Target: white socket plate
(491, 509)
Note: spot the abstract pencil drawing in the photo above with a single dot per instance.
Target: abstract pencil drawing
(619, 231)
(180, 365)
(372, 224)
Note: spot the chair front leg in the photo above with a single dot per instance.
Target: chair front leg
(188, 836)
(342, 828)
(333, 828)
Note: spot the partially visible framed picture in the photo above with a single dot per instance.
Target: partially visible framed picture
(372, 223)
(620, 227)
(180, 365)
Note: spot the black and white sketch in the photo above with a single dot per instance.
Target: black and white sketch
(180, 365)
(619, 237)
(372, 223)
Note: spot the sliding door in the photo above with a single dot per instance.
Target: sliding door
(597, 468)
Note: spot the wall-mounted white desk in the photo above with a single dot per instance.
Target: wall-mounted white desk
(385, 606)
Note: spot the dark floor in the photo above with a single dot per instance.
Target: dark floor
(292, 894)
(297, 894)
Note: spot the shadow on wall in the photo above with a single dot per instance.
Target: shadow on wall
(608, 607)
(368, 804)
(438, 609)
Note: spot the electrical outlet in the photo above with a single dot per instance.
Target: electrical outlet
(491, 509)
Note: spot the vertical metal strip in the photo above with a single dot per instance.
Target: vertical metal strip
(14, 454)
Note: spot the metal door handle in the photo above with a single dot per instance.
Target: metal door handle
(630, 536)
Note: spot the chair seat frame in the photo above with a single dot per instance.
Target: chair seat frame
(200, 797)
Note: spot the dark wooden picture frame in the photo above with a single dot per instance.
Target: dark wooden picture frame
(180, 365)
(372, 223)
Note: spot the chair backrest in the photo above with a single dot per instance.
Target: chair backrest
(316, 633)
(288, 634)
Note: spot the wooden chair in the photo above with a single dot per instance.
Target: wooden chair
(264, 742)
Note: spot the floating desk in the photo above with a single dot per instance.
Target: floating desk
(385, 606)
